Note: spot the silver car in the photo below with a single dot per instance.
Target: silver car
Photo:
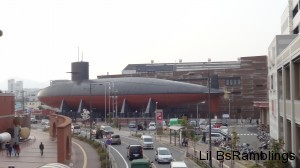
(115, 139)
(163, 155)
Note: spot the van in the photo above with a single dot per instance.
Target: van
(140, 163)
(147, 142)
(75, 129)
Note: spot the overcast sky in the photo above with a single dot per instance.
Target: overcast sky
(41, 37)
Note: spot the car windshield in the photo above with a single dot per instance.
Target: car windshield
(148, 139)
(76, 127)
(115, 136)
(164, 152)
(135, 148)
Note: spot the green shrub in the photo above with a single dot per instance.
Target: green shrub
(105, 163)
(103, 156)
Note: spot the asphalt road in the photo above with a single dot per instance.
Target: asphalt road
(119, 152)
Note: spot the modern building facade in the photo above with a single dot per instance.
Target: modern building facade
(284, 81)
(245, 79)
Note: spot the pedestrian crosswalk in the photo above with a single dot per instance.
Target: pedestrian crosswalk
(247, 134)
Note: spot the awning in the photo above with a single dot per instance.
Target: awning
(176, 127)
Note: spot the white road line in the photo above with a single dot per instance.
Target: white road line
(84, 154)
(120, 155)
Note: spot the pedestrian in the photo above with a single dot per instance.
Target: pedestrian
(41, 148)
(257, 122)
(8, 148)
(16, 149)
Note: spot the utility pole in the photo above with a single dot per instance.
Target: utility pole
(209, 116)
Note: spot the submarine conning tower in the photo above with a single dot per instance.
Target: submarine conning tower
(80, 71)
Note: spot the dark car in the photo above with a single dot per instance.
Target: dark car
(134, 152)
(141, 126)
(116, 139)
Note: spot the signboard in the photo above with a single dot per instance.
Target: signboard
(108, 142)
(159, 116)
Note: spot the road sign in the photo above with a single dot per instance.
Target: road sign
(108, 142)
(159, 116)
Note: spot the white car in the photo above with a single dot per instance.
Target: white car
(163, 155)
(178, 164)
(152, 126)
(224, 129)
(45, 122)
(75, 129)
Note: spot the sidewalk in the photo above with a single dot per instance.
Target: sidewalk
(30, 156)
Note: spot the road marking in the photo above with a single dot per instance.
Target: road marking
(120, 155)
(246, 134)
(84, 154)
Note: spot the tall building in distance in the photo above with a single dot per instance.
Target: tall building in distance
(284, 81)
(16, 87)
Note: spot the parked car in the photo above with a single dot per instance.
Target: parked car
(165, 125)
(217, 125)
(163, 155)
(132, 124)
(116, 139)
(215, 137)
(75, 128)
(224, 129)
(33, 121)
(193, 123)
(152, 126)
(140, 126)
(134, 152)
(45, 122)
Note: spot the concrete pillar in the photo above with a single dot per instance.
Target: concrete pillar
(293, 124)
(285, 132)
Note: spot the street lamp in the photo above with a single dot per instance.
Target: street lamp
(91, 109)
(198, 113)
(209, 116)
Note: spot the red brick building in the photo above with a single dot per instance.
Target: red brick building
(7, 111)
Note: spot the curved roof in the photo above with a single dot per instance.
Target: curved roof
(123, 86)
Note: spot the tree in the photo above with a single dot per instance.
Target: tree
(277, 147)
